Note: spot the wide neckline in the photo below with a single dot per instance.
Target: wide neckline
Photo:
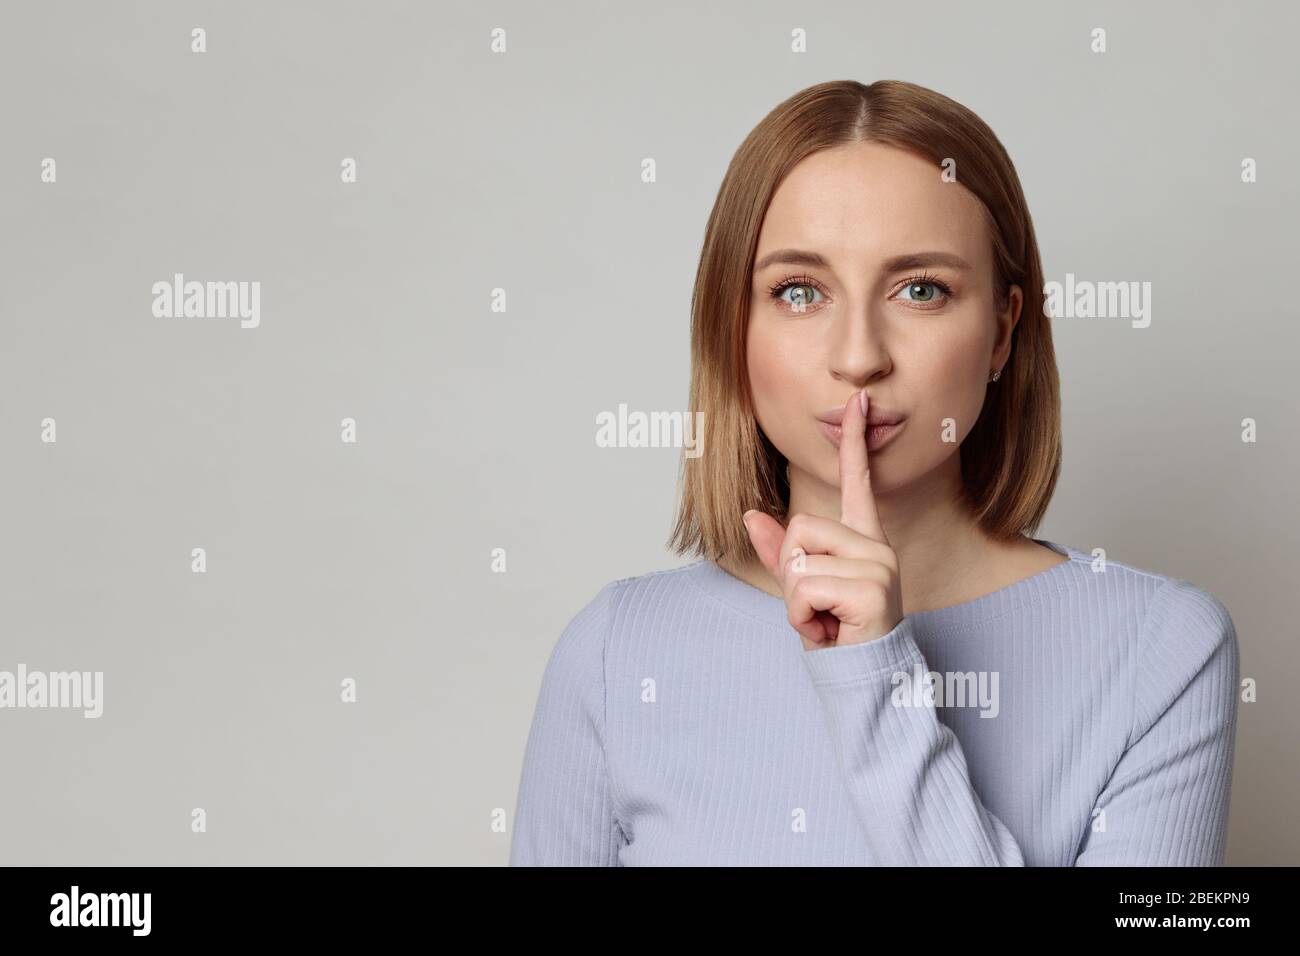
(769, 609)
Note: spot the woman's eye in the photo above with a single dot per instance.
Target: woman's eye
(801, 296)
(923, 292)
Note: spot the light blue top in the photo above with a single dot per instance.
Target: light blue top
(1080, 717)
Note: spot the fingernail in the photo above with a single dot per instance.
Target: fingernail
(745, 518)
(862, 400)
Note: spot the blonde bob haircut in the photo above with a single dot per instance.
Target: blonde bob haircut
(1011, 458)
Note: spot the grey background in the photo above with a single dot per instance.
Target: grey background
(476, 429)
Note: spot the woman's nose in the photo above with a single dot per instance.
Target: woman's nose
(859, 352)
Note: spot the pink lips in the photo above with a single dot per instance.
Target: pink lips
(882, 424)
(876, 416)
(877, 435)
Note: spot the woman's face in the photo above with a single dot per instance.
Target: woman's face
(921, 335)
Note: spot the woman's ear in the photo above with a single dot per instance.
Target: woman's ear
(1006, 320)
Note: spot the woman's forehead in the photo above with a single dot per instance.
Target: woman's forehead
(868, 201)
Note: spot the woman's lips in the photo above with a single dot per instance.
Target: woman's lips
(877, 435)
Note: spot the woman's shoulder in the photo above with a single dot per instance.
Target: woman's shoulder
(1162, 593)
(619, 597)
(1186, 628)
(1180, 621)
(636, 590)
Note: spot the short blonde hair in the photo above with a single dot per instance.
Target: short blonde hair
(1011, 458)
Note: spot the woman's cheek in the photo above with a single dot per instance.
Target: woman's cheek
(956, 379)
(945, 413)
(762, 379)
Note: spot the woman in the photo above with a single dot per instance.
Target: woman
(879, 666)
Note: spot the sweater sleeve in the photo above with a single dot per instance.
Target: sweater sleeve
(564, 813)
(1166, 803)
(905, 770)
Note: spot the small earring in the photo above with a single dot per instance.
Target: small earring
(996, 375)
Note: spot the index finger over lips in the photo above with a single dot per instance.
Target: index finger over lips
(857, 502)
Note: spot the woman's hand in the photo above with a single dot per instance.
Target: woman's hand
(840, 578)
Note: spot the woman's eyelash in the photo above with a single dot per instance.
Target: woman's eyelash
(924, 278)
(779, 289)
(927, 279)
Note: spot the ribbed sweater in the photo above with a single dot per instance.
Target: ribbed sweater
(1083, 716)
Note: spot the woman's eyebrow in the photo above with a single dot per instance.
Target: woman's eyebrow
(911, 260)
(794, 257)
(917, 260)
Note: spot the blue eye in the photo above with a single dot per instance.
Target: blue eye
(924, 290)
(804, 297)
(934, 290)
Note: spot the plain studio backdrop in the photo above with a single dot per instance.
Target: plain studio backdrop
(370, 561)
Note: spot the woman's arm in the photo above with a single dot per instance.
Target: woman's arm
(564, 813)
(1165, 804)
(905, 770)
